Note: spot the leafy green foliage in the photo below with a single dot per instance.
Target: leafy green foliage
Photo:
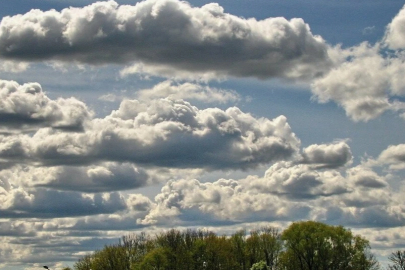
(313, 245)
(302, 246)
(259, 266)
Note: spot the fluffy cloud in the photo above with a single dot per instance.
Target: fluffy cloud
(367, 80)
(163, 133)
(327, 155)
(167, 33)
(300, 181)
(394, 155)
(395, 35)
(287, 191)
(222, 200)
(365, 85)
(25, 107)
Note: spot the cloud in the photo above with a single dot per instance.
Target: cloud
(188, 91)
(395, 33)
(394, 155)
(13, 66)
(357, 197)
(17, 228)
(164, 133)
(364, 177)
(26, 107)
(327, 155)
(368, 30)
(45, 203)
(168, 34)
(105, 177)
(220, 200)
(158, 70)
(108, 97)
(366, 84)
(300, 181)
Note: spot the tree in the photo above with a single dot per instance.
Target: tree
(238, 241)
(264, 245)
(83, 263)
(259, 266)
(313, 245)
(397, 259)
(271, 246)
(136, 247)
(155, 260)
(110, 258)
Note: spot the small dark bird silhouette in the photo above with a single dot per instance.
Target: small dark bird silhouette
(46, 267)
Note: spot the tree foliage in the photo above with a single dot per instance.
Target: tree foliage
(259, 266)
(302, 246)
(313, 245)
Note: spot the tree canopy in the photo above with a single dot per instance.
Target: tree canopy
(305, 245)
(313, 245)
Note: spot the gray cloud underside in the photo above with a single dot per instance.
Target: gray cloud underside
(105, 177)
(169, 33)
(43, 203)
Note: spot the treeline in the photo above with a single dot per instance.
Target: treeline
(302, 246)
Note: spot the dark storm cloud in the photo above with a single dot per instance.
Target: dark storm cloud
(169, 33)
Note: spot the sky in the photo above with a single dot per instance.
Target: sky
(118, 117)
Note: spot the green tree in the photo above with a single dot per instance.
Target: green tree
(238, 241)
(264, 245)
(397, 259)
(259, 266)
(155, 260)
(110, 258)
(137, 246)
(83, 263)
(313, 245)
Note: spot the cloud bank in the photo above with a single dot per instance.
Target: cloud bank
(167, 33)
(162, 132)
(67, 176)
